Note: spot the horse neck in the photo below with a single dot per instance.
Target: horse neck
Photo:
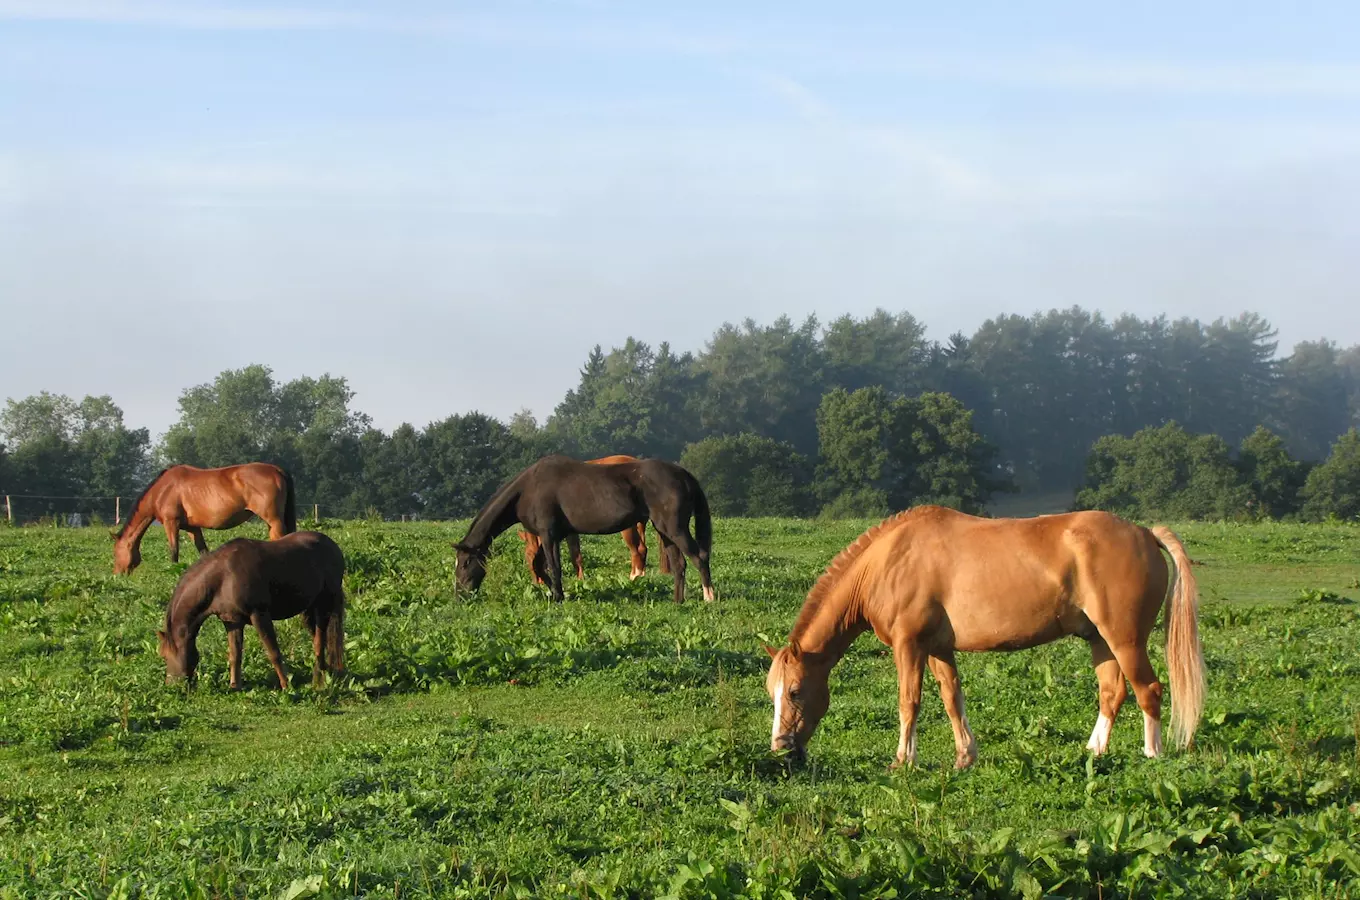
(187, 611)
(140, 520)
(838, 619)
(495, 517)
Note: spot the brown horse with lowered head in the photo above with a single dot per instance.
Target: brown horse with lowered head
(635, 539)
(932, 581)
(256, 582)
(559, 496)
(191, 499)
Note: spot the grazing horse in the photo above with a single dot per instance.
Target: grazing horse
(191, 499)
(257, 582)
(558, 496)
(635, 538)
(932, 581)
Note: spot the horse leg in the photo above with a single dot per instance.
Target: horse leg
(1133, 659)
(274, 519)
(946, 672)
(669, 551)
(574, 545)
(637, 550)
(264, 627)
(534, 557)
(552, 550)
(1113, 690)
(910, 667)
(236, 632)
(690, 547)
(172, 537)
(199, 544)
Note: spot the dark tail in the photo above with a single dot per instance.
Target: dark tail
(703, 522)
(335, 637)
(289, 505)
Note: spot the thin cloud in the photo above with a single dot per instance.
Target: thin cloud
(897, 144)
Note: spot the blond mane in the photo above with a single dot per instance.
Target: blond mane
(842, 562)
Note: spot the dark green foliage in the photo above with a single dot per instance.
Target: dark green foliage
(1164, 473)
(1313, 398)
(468, 458)
(632, 401)
(764, 380)
(1333, 487)
(1270, 474)
(750, 475)
(1042, 389)
(879, 453)
(63, 449)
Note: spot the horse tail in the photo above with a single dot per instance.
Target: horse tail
(703, 521)
(1184, 656)
(289, 504)
(335, 634)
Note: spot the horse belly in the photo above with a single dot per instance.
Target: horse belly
(1016, 622)
(604, 512)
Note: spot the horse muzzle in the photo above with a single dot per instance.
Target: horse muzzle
(786, 744)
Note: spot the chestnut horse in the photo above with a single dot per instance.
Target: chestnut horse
(191, 499)
(932, 581)
(559, 496)
(257, 582)
(634, 538)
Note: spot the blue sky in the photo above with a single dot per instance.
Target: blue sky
(451, 203)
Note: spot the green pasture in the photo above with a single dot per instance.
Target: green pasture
(617, 745)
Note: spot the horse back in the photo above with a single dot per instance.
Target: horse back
(282, 577)
(1010, 583)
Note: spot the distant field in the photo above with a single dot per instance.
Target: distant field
(616, 745)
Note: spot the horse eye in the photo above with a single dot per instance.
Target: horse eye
(795, 694)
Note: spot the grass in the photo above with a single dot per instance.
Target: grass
(498, 745)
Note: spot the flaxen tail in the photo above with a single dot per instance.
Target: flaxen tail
(289, 505)
(1184, 657)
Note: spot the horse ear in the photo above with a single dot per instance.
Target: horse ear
(774, 653)
(460, 546)
(795, 652)
(160, 635)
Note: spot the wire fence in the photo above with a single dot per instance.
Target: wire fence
(81, 512)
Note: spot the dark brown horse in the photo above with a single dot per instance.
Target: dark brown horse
(191, 499)
(558, 496)
(932, 581)
(634, 538)
(256, 582)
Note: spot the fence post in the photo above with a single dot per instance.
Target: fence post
(9, 510)
(316, 517)
(117, 510)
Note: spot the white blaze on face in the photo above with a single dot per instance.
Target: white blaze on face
(778, 711)
(1100, 735)
(1152, 736)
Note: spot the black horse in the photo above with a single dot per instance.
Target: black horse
(558, 496)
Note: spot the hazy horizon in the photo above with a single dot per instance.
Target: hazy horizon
(451, 209)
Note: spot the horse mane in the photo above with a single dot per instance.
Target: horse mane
(497, 500)
(132, 511)
(842, 562)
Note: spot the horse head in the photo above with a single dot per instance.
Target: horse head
(471, 567)
(126, 556)
(801, 695)
(181, 661)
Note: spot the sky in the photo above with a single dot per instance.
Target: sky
(450, 203)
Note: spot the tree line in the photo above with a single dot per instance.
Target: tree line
(859, 416)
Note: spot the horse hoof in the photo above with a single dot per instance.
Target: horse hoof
(964, 760)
